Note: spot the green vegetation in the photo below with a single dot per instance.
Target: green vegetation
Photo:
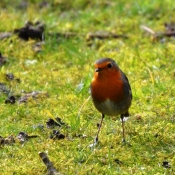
(62, 72)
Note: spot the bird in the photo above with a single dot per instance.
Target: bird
(110, 91)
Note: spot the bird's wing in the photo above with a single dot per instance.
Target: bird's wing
(126, 79)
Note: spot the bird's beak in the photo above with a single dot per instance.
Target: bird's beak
(98, 70)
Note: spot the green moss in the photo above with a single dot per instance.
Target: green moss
(62, 73)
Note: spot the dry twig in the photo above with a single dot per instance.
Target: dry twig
(51, 170)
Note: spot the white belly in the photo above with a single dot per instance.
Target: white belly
(108, 108)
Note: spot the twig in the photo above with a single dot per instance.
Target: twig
(63, 35)
(51, 170)
(158, 34)
(104, 35)
(147, 29)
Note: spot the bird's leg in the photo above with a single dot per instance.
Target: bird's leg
(99, 127)
(123, 127)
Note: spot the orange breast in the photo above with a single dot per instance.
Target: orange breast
(107, 85)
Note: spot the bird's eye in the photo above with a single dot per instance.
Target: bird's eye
(109, 65)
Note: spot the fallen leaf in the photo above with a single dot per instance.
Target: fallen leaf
(3, 60)
(166, 164)
(9, 76)
(7, 141)
(51, 123)
(23, 136)
(33, 95)
(30, 30)
(57, 135)
(10, 100)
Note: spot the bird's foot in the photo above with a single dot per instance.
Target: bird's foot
(95, 143)
(96, 140)
(123, 140)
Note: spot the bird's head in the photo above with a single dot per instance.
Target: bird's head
(105, 66)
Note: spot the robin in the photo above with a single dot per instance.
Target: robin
(110, 91)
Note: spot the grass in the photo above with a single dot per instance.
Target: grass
(64, 69)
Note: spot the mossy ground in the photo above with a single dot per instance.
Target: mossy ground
(64, 69)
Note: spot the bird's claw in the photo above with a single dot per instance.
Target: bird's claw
(95, 143)
(123, 140)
